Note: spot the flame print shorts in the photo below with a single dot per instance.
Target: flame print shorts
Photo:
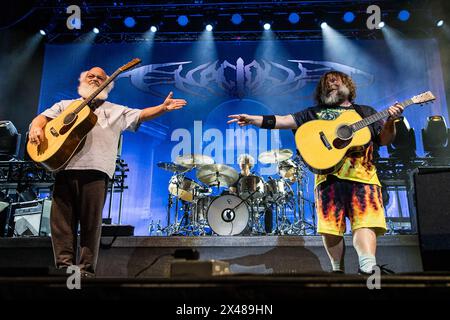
(361, 203)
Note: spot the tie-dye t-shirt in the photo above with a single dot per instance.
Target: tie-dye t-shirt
(358, 164)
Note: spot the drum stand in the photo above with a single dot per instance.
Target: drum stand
(301, 225)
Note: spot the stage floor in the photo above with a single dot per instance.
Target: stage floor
(124, 257)
(290, 290)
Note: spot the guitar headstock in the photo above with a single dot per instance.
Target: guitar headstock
(423, 98)
(130, 64)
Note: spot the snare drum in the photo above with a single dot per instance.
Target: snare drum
(248, 185)
(184, 188)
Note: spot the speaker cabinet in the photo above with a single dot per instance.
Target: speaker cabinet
(432, 200)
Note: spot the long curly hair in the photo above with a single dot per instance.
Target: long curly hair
(322, 85)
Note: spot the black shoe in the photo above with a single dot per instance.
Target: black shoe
(383, 270)
(337, 272)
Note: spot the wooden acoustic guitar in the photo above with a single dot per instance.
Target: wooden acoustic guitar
(323, 144)
(65, 135)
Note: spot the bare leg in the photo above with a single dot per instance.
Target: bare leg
(335, 247)
(365, 243)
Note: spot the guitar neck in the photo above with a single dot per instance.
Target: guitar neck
(377, 116)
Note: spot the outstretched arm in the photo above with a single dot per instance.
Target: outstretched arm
(282, 122)
(169, 104)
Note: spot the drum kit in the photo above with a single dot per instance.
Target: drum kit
(224, 202)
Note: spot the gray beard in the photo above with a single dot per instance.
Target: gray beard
(336, 97)
(85, 90)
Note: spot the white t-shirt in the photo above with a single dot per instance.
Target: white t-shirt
(100, 149)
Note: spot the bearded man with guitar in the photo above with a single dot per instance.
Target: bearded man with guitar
(350, 188)
(78, 139)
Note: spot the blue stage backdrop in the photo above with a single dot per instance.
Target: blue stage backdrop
(222, 78)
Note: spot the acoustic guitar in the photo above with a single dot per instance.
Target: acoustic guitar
(323, 144)
(65, 135)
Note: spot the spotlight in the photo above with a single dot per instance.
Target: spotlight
(9, 141)
(95, 30)
(209, 27)
(183, 20)
(381, 25)
(349, 17)
(129, 22)
(153, 29)
(403, 15)
(294, 18)
(440, 23)
(267, 26)
(42, 32)
(236, 19)
(404, 144)
(435, 136)
(323, 25)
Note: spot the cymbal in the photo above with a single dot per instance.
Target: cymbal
(172, 167)
(275, 156)
(217, 174)
(193, 160)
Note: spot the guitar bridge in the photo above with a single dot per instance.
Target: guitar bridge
(325, 141)
(54, 132)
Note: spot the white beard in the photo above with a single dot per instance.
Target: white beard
(85, 90)
(336, 96)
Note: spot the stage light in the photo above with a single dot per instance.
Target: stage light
(294, 18)
(323, 25)
(183, 20)
(435, 137)
(9, 140)
(404, 144)
(95, 30)
(129, 22)
(349, 17)
(440, 23)
(267, 26)
(236, 19)
(381, 25)
(403, 15)
(153, 29)
(42, 32)
(209, 27)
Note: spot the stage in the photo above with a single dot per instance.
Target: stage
(269, 255)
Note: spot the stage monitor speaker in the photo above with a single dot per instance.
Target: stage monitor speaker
(32, 218)
(432, 199)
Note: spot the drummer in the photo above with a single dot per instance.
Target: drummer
(246, 163)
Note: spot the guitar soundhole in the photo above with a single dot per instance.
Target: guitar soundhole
(344, 132)
(69, 118)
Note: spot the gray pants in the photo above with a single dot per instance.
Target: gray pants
(78, 198)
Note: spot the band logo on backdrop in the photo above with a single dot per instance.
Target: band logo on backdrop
(238, 80)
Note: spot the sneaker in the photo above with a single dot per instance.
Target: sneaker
(383, 270)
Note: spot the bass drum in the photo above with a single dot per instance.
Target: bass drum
(228, 215)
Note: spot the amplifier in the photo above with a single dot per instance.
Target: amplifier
(31, 218)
